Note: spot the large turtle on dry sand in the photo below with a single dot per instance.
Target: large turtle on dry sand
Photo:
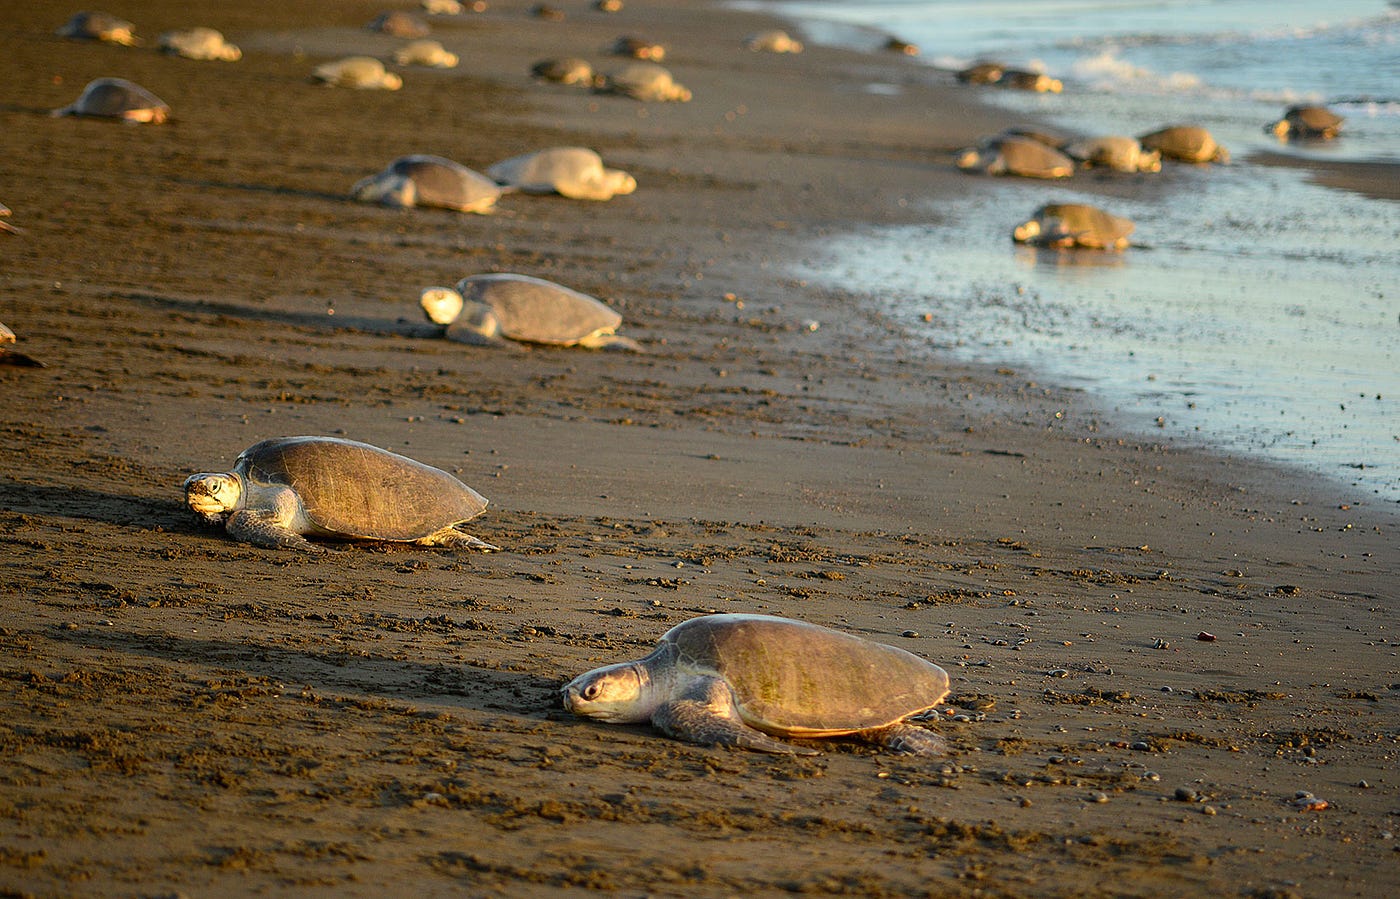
(200, 43)
(429, 181)
(1307, 121)
(11, 357)
(482, 309)
(645, 81)
(117, 98)
(574, 172)
(740, 680)
(360, 72)
(1117, 152)
(286, 489)
(1008, 155)
(1074, 225)
(1187, 143)
(99, 26)
(566, 70)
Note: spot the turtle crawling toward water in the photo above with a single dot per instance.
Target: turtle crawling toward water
(1307, 121)
(359, 72)
(117, 98)
(283, 490)
(740, 680)
(1012, 155)
(1074, 225)
(483, 309)
(200, 43)
(423, 180)
(574, 172)
(99, 26)
(1186, 143)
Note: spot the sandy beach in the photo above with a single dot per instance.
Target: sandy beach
(1155, 652)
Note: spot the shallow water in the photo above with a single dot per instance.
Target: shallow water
(1256, 312)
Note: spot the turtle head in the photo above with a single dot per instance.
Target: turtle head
(389, 188)
(617, 694)
(442, 305)
(1026, 231)
(213, 495)
(970, 158)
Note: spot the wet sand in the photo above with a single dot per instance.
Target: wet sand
(185, 715)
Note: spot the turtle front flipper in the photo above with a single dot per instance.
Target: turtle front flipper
(263, 529)
(705, 713)
(906, 738)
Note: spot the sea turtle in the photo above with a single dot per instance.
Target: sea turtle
(362, 72)
(565, 70)
(740, 680)
(645, 81)
(399, 24)
(482, 309)
(1074, 225)
(11, 357)
(428, 53)
(1187, 143)
(1036, 133)
(547, 12)
(1036, 82)
(898, 45)
(1114, 151)
(99, 26)
(774, 40)
(574, 172)
(1016, 156)
(608, 5)
(421, 180)
(117, 98)
(451, 7)
(982, 73)
(283, 490)
(199, 43)
(637, 48)
(7, 228)
(1307, 121)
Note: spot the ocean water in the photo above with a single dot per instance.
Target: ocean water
(1257, 313)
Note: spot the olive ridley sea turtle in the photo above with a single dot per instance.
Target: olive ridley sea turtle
(11, 357)
(117, 98)
(398, 23)
(1186, 143)
(1115, 151)
(740, 680)
(773, 41)
(566, 70)
(638, 48)
(574, 172)
(1009, 155)
(482, 309)
(1074, 225)
(429, 181)
(428, 53)
(281, 491)
(362, 72)
(99, 26)
(1307, 121)
(645, 81)
(200, 43)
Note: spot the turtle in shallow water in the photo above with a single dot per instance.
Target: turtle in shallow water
(483, 309)
(740, 680)
(1035, 82)
(1074, 225)
(574, 172)
(199, 43)
(1009, 155)
(429, 53)
(422, 180)
(1307, 121)
(645, 81)
(1186, 143)
(117, 98)
(361, 72)
(283, 490)
(12, 357)
(982, 73)
(99, 26)
(566, 70)
(1115, 151)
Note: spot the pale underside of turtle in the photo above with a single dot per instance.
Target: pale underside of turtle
(483, 309)
(1074, 225)
(361, 72)
(1017, 156)
(283, 490)
(646, 81)
(1185, 143)
(100, 26)
(574, 172)
(741, 680)
(1117, 152)
(422, 180)
(200, 43)
(117, 98)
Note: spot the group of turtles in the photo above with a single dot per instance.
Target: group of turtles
(734, 680)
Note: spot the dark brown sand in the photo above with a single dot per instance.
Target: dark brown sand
(184, 715)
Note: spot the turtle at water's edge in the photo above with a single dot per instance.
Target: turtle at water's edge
(1074, 225)
(281, 491)
(1317, 122)
(740, 680)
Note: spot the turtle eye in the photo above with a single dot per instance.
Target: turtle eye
(214, 487)
(591, 691)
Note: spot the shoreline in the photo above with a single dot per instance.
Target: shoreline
(189, 714)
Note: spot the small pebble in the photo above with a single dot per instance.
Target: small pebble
(1205, 637)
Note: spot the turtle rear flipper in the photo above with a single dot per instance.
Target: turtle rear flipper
(706, 714)
(907, 738)
(451, 537)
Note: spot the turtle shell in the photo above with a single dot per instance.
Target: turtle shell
(797, 679)
(114, 97)
(575, 172)
(539, 311)
(1310, 120)
(1081, 224)
(355, 490)
(444, 183)
(1030, 158)
(1188, 143)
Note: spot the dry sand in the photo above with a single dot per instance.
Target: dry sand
(184, 715)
